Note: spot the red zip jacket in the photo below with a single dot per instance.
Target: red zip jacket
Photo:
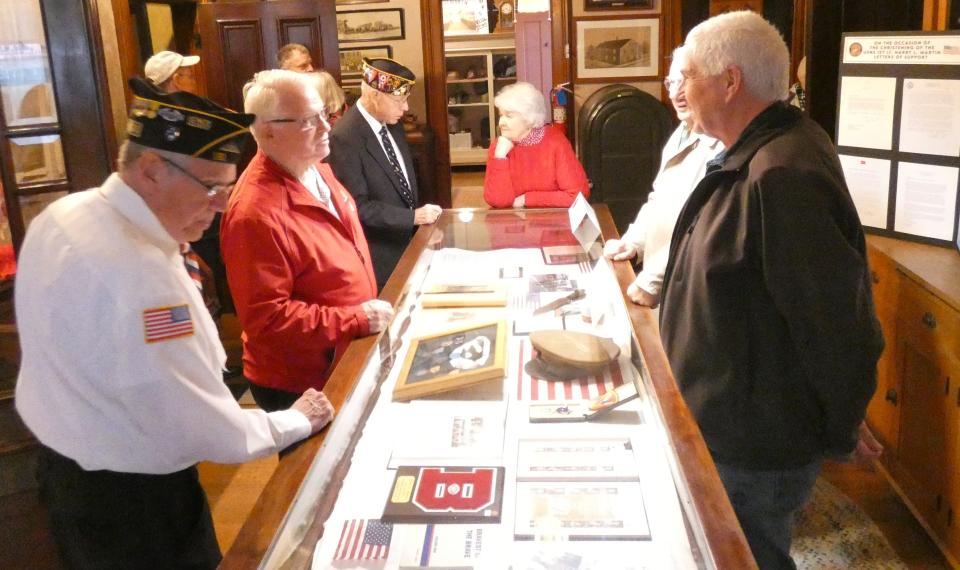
(297, 275)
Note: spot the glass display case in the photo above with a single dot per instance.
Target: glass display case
(471, 475)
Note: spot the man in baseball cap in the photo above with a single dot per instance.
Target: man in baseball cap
(170, 71)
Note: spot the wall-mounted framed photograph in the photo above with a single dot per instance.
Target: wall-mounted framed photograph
(349, 2)
(617, 48)
(453, 359)
(351, 59)
(465, 17)
(370, 25)
(612, 4)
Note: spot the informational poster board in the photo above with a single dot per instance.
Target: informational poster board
(898, 132)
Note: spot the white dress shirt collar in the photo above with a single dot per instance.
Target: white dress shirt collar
(131, 206)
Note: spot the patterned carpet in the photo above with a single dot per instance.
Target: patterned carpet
(833, 533)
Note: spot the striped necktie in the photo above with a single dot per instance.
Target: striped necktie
(192, 262)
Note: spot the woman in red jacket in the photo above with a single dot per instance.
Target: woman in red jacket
(530, 165)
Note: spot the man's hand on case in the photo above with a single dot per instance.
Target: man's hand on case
(618, 250)
(316, 407)
(426, 214)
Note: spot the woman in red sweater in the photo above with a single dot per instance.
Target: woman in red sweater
(530, 165)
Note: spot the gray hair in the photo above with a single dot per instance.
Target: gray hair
(524, 99)
(330, 93)
(264, 94)
(743, 39)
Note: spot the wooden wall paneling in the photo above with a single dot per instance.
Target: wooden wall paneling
(127, 43)
(798, 45)
(824, 25)
(241, 46)
(434, 79)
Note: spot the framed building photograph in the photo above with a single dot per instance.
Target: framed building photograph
(612, 4)
(453, 359)
(351, 59)
(370, 25)
(617, 49)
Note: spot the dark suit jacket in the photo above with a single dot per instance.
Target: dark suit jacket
(361, 165)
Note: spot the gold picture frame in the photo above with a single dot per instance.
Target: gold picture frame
(453, 359)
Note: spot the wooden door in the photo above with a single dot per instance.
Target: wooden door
(534, 51)
(239, 39)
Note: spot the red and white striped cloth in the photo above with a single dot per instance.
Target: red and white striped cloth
(531, 389)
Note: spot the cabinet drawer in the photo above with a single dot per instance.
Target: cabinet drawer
(932, 325)
(885, 279)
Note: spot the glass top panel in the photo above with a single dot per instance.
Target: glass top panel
(599, 492)
(26, 88)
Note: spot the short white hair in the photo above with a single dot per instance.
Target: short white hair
(745, 40)
(524, 99)
(264, 94)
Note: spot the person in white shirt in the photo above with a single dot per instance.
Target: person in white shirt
(121, 374)
(682, 165)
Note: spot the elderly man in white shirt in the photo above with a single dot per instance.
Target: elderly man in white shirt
(121, 376)
(682, 166)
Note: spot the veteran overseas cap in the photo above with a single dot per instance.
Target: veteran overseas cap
(388, 76)
(184, 123)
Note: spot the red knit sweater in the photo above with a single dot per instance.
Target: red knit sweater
(547, 173)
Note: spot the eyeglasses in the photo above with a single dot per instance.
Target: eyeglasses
(306, 123)
(213, 190)
(671, 83)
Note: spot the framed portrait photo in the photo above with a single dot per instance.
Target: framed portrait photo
(614, 4)
(351, 59)
(370, 25)
(453, 359)
(617, 49)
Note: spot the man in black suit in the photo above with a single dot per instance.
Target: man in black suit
(370, 156)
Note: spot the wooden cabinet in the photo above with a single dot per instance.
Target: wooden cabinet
(916, 410)
(476, 71)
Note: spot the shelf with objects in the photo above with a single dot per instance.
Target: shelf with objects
(476, 71)
(473, 437)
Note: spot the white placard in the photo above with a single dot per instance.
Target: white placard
(866, 112)
(902, 50)
(926, 200)
(583, 222)
(869, 182)
(930, 119)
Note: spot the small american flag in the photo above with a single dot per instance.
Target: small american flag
(951, 50)
(364, 540)
(164, 323)
(530, 388)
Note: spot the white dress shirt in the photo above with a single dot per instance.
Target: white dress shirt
(682, 166)
(315, 184)
(99, 383)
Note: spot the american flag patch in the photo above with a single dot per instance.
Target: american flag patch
(165, 323)
(364, 540)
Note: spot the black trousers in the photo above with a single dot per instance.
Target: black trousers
(106, 519)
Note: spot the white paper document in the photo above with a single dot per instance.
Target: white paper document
(926, 200)
(866, 112)
(930, 120)
(580, 510)
(597, 459)
(869, 182)
(448, 433)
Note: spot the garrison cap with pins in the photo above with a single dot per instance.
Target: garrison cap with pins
(388, 76)
(185, 123)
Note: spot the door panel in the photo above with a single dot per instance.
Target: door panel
(241, 38)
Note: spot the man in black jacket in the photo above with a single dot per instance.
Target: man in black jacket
(370, 157)
(767, 320)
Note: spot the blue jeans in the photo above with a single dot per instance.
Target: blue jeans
(766, 503)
